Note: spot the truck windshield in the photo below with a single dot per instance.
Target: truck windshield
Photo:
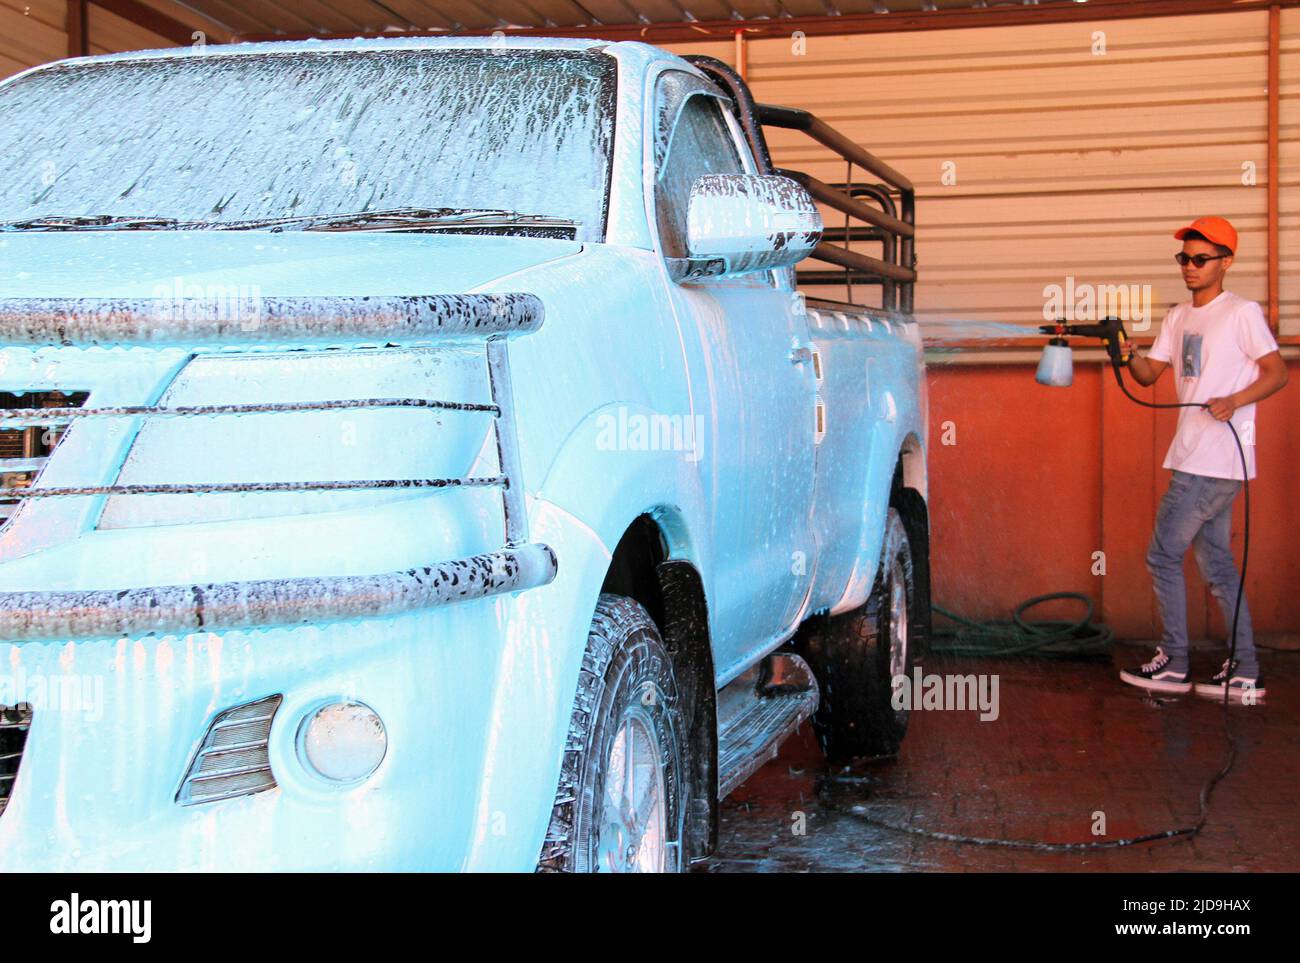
(226, 138)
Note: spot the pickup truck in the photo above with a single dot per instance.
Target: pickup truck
(419, 455)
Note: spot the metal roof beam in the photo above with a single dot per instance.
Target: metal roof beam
(155, 21)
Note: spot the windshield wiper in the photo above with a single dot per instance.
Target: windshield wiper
(412, 218)
(395, 219)
(82, 222)
(409, 219)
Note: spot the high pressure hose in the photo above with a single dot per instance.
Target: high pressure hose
(1043, 636)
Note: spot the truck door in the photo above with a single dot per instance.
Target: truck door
(747, 344)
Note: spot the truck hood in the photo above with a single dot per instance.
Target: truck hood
(151, 264)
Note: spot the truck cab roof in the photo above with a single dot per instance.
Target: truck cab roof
(631, 53)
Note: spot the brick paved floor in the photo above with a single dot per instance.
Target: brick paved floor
(1070, 740)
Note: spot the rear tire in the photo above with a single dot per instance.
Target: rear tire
(857, 655)
(619, 803)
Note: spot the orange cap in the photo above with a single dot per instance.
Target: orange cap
(1216, 230)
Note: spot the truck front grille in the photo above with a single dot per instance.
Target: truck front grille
(234, 759)
(24, 450)
(15, 721)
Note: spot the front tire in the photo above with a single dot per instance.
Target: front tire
(857, 656)
(619, 803)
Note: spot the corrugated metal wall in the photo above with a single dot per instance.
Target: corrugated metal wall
(1069, 149)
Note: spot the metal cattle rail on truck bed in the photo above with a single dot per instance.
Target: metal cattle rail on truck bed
(28, 616)
(892, 225)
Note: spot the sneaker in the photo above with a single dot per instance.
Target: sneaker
(1157, 676)
(1238, 684)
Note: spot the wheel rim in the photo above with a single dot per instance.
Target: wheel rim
(897, 626)
(634, 811)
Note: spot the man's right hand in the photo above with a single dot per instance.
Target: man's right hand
(1145, 370)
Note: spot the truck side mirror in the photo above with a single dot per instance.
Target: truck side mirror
(742, 223)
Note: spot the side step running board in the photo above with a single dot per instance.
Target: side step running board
(759, 711)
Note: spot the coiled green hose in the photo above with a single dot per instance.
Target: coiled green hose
(1046, 638)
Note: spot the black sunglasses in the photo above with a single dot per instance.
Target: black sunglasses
(1200, 260)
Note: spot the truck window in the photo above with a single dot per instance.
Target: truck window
(698, 143)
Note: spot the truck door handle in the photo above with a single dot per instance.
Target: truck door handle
(800, 355)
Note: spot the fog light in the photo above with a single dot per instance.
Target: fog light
(343, 741)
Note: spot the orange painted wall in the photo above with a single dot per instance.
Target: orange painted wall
(1038, 479)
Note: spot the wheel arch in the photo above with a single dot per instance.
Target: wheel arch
(645, 567)
(908, 494)
(911, 462)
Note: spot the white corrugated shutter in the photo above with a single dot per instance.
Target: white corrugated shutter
(1075, 148)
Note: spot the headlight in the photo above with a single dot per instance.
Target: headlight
(343, 741)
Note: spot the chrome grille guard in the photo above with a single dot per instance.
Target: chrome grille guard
(43, 616)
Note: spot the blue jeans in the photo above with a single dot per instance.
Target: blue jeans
(1197, 512)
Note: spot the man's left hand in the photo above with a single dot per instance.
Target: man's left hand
(1221, 408)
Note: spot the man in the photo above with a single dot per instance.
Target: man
(1227, 358)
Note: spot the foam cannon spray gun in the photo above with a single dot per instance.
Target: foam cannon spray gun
(1056, 369)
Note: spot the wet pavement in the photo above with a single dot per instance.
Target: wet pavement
(1071, 746)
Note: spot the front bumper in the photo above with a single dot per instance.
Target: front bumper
(116, 724)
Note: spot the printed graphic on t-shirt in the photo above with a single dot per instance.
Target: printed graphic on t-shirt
(1191, 355)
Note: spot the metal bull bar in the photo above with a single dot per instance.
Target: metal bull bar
(202, 322)
(36, 616)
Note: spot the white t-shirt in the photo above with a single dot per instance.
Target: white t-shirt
(1214, 350)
